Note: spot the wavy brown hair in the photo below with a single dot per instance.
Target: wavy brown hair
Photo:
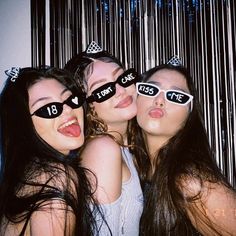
(77, 65)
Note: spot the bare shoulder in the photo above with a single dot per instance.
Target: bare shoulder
(102, 146)
(102, 156)
(193, 186)
(213, 209)
(59, 177)
(52, 215)
(103, 141)
(54, 218)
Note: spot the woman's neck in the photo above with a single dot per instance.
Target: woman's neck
(119, 131)
(154, 144)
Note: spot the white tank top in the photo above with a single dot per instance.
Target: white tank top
(124, 214)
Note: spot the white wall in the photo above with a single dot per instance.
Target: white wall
(15, 36)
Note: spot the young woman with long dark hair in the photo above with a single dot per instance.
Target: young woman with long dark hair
(44, 190)
(185, 191)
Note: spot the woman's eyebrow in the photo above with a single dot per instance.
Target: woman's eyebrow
(97, 82)
(114, 72)
(153, 82)
(172, 87)
(48, 97)
(38, 100)
(178, 88)
(64, 91)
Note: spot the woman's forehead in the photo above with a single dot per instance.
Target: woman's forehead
(46, 86)
(169, 78)
(166, 74)
(100, 69)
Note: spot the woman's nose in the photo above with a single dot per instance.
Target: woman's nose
(119, 90)
(159, 100)
(66, 109)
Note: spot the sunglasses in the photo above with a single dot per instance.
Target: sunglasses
(108, 90)
(171, 95)
(54, 109)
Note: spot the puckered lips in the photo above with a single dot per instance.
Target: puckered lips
(70, 128)
(156, 113)
(125, 102)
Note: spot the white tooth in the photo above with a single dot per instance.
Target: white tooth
(68, 123)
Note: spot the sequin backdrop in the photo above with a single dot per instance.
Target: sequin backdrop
(144, 33)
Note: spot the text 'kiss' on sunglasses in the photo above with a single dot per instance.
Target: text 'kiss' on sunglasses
(54, 109)
(174, 96)
(108, 90)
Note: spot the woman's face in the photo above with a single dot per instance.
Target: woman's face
(119, 108)
(157, 116)
(65, 132)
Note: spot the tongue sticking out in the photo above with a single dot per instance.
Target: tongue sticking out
(72, 130)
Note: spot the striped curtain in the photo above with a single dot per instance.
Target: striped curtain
(145, 33)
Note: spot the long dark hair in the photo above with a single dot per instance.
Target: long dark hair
(26, 157)
(186, 156)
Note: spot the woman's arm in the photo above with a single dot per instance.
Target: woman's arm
(102, 156)
(54, 218)
(214, 213)
(51, 215)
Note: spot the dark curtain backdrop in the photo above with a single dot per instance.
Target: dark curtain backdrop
(145, 33)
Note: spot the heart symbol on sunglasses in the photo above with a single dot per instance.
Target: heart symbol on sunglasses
(75, 100)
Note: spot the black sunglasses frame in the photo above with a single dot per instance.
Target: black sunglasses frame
(55, 109)
(108, 90)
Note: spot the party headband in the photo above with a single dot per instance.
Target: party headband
(93, 48)
(175, 61)
(13, 73)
